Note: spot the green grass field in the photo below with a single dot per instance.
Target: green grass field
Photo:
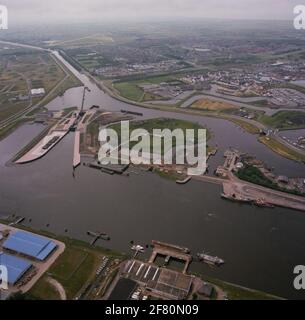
(22, 71)
(282, 149)
(132, 91)
(284, 120)
(161, 124)
(73, 269)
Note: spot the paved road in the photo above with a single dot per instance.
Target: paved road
(24, 45)
(59, 288)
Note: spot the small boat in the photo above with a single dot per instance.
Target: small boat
(263, 203)
(203, 257)
(235, 199)
(132, 112)
(137, 248)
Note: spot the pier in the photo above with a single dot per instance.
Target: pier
(97, 236)
(49, 140)
(133, 113)
(110, 169)
(19, 220)
(76, 155)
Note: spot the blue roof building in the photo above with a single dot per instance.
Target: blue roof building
(16, 267)
(30, 245)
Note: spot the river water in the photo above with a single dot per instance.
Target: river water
(260, 246)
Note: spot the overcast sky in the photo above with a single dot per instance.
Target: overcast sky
(98, 10)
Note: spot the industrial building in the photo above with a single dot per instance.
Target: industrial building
(16, 267)
(29, 244)
(38, 92)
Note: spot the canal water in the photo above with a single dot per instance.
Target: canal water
(260, 246)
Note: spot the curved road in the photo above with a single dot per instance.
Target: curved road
(58, 287)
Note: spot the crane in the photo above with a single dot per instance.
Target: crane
(83, 102)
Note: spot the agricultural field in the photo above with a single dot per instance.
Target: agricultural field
(282, 149)
(90, 40)
(285, 120)
(23, 70)
(131, 89)
(209, 105)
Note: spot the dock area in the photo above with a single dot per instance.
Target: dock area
(97, 236)
(49, 141)
(76, 153)
(242, 191)
(171, 251)
(110, 169)
(253, 193)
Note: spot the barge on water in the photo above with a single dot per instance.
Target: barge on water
(257, 202)
(236, 199)
(211, 260)
(262, 203)
(132, 112)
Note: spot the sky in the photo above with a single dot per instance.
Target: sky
(116, 10)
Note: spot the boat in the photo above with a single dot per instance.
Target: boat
(203, 257)
(132, 112)
(137, 248)
(236, 199)
(263, 203)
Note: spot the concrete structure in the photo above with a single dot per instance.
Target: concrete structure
(76, 154)
(38, 92)
(52, 138)
(159, 282)
(171, 251)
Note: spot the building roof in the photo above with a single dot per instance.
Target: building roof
(38, 91)
(206, 290)
(16, 267)
(30, 244)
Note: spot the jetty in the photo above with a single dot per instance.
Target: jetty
(132, 112)
(48, 141)
(19, 220)
(97, 236)
(76, 154)
(110, 169)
